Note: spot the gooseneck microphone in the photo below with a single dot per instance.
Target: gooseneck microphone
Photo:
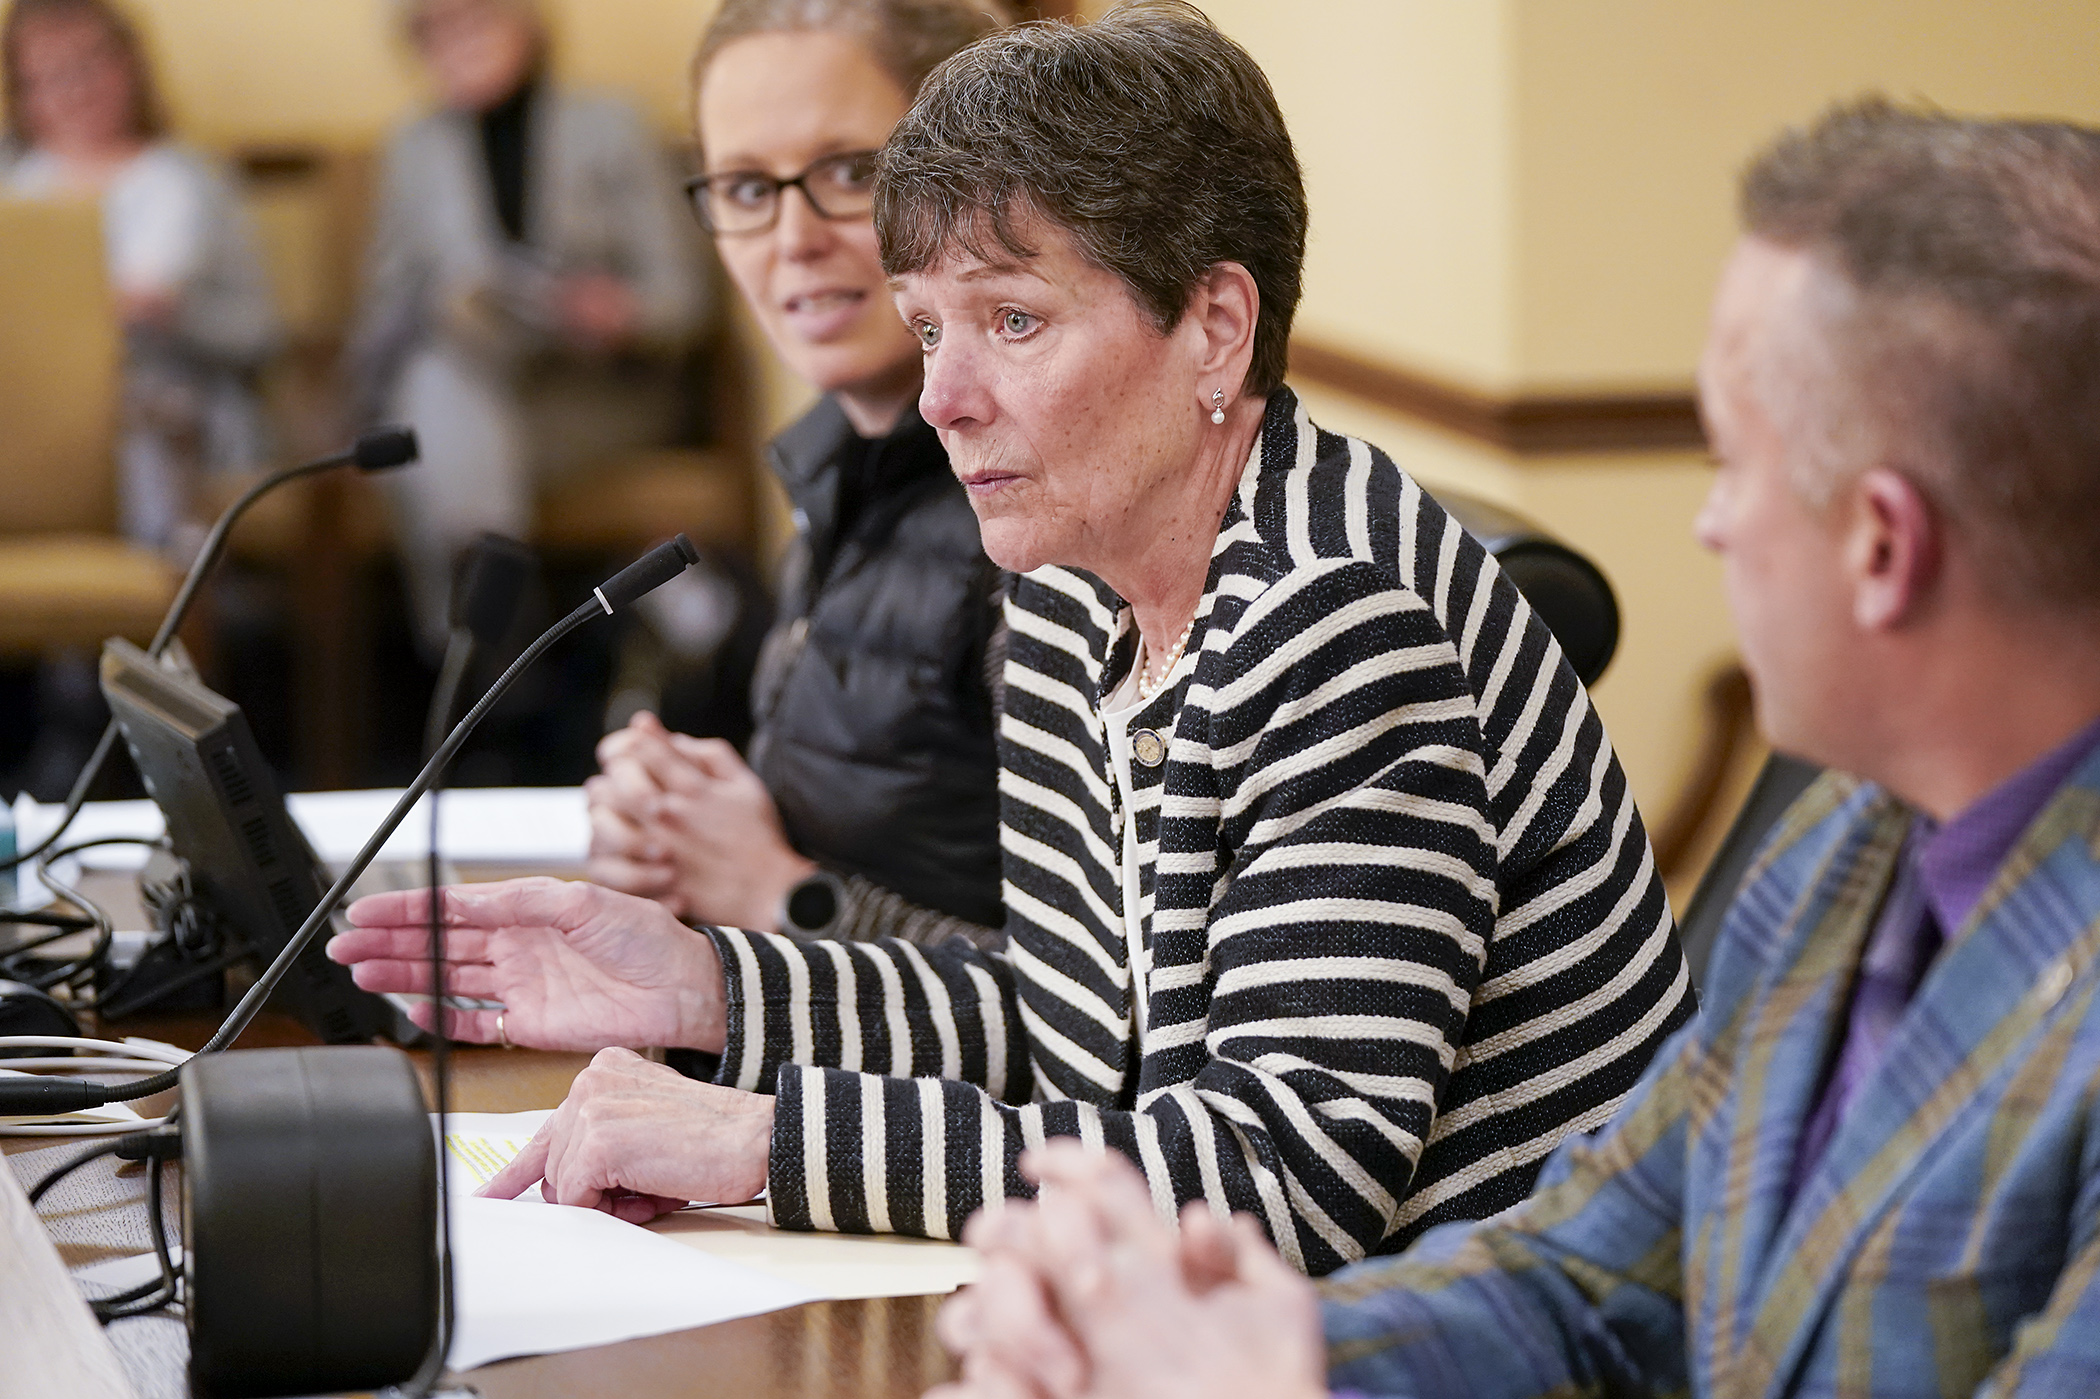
(45, 1097)
(382, 449)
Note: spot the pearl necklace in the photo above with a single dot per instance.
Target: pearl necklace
(1148, 689)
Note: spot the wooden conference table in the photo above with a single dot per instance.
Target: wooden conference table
(877, 1348)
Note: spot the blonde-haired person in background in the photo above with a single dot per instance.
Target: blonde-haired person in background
(531, 286)
(870, 801)
(84, 120)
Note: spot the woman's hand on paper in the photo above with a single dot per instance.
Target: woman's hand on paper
(684, 821)
(637, 1140)
(576, 967)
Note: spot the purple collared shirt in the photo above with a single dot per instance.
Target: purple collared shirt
(1940, 874)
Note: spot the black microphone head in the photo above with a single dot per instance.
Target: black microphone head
(649, 572)
(491, 580)
(384, 448)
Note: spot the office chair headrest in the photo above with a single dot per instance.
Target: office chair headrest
(1570, 594)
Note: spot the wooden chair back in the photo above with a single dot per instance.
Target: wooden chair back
(61, 354)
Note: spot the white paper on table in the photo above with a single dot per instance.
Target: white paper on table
(476, 825)
(97, 820)
(530, 1279)
(533, 1278)
(123, 1274)
(835, 1266)
(490, 825)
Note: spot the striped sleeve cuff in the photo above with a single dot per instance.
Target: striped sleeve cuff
(747, 1016)
(865, 1154)
(888, 1007)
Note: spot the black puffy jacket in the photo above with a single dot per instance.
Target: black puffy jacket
(874, 718)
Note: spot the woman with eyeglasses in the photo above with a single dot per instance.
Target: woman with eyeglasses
(869, 797)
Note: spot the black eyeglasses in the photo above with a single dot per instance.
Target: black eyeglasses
(748, 201)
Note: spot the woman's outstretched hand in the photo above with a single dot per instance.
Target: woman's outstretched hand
(576, 966)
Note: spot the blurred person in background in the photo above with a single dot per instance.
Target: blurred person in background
(870, 799)
(84, 121)
(529, 292)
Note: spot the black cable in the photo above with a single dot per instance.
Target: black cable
(150, 842)
(66, 1168)
(102, 1305)
(44, 918)
(155, 1146)
(159, 1302)
(190, 933)
(60, 932)
(159, 1226)
(104, 932)
(67, 924)
(161, 1292)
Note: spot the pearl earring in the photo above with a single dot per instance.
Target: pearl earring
(1217, 406)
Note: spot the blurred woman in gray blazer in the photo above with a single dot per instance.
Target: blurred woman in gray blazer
(531, 282)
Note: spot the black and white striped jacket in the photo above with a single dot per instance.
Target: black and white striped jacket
(1405, 929)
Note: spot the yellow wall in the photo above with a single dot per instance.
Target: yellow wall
(1535, 195)
(1509, 194)
(335, 70)
(1401, 115)
(1633, 117)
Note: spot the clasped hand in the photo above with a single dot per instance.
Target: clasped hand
(1085, 1294)
(682, 820)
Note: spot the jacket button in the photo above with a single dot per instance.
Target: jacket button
(1148, 748)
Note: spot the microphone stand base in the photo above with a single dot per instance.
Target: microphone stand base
(309, 1219)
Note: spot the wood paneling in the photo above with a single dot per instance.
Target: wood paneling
(1528, 425)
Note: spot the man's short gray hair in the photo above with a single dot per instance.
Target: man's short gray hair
(1964, 326)
(1149, 137)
